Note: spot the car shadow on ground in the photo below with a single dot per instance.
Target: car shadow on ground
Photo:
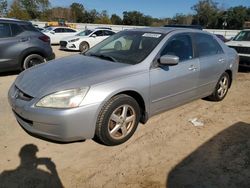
(223, 161)
(244, 69)
(27, 174)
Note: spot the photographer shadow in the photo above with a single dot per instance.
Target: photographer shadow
(27, 174)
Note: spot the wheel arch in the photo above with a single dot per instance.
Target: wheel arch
(139, 99)
(28, 52)
(229, 72)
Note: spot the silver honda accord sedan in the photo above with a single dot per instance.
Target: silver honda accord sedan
(126, 79)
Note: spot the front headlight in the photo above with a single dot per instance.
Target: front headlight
(63, 99)
(74, 40)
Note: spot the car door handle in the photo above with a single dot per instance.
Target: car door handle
(192, 68)
(221, 60)
(23, 39)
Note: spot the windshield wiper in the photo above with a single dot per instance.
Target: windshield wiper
(102, 56)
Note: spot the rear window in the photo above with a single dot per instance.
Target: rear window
(5, 30)
(29, 27)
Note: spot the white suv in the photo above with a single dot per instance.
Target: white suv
(241, 43)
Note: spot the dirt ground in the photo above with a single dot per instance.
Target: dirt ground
(166, 152)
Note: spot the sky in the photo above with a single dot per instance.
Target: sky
(154, 8)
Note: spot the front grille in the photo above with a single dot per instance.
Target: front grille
(241, 50)
(22, 96)
(63, 43)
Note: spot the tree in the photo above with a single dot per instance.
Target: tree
(181, 19)
(3, 8)
(136, 18)
(236, 16)
(206, 13)
(103, 18)
(17, 12)
(90, 16)
(116, 20)
(77, 11)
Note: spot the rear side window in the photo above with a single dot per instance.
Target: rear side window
(180, 46)
(206, 45)
(70, 30)
(29, 27)
(15, 29)
(5, 30)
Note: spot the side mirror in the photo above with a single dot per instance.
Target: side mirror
(169, 60)
(94, 35)
(52, 32)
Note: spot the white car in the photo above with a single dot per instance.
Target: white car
(241, 43)
(85, 39)
(58, 33)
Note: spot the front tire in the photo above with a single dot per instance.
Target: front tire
(117, 120)
(84, 46)
(32, 60)
(221, 88)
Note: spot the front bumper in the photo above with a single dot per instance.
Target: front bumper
(68, 46)
(64, 125)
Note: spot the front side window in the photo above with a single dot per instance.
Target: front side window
(180, 46)
(108, 33)
(85, 33)
(206, 45)
(5, 30)
(59, 30)
(98, 33)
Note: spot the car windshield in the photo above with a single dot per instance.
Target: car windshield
(242, 36)
(48, 29)
(130, 47)
(85, 33)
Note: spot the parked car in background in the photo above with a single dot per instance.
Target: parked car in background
(22, 45)
(221, 37)
(58, 33)
(85, 39)
(241, 43)
(107, 91)
(184, 26)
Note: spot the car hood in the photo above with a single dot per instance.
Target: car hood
(73, 37)
(238, 43)
(68, 73)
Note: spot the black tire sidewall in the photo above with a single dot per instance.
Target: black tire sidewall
(30, 57)
(108, 109)
(83, 44)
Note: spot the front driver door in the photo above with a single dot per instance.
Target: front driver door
(174, 85)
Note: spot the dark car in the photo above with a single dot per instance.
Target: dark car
(221, 37)
(22, 45)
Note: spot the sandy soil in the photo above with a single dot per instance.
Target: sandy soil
(166, 152)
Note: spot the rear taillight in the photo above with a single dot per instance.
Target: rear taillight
(45, 38)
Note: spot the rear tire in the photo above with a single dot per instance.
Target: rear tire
(221, 88)
(84, 46)
(32, 60)
(117, 120)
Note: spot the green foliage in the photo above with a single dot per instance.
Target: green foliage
(236, 16)
(136, 18)
(116, 20)
(17, 12)
(3, 7)
(77, 11)
(206, 13)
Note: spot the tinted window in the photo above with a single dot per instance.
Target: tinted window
(98, 33)
(70, 30)
(206, 45)
(59, 30)
(16, 29)
(5, 30)
(28, 27)
(242, 36)
(181, 46)
(108, 33)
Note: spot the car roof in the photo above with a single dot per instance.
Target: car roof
(12, 20)
(165, 30)
(60, 27)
